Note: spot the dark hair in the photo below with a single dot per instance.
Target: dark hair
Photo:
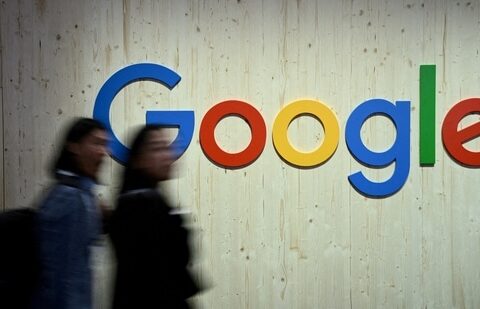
(133, 178)
(79, 129)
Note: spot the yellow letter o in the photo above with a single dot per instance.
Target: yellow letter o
(319, 111)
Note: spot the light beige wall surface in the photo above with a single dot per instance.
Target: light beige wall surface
(268, 235)
(2, 196)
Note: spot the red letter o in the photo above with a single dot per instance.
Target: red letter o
(255, 122)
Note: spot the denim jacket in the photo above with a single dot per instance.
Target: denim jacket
(68, 224)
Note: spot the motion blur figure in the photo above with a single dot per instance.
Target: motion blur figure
(68, 220)
(150, 241)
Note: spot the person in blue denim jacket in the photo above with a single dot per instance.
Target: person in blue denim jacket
(69, 220)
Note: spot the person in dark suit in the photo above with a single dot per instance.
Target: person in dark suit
(149, 238)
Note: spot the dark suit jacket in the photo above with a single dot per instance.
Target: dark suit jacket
(151, 246)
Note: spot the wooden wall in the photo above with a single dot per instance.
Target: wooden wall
(269, 235)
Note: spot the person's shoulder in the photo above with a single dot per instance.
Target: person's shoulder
(60, 200)
(144, 195)
(149, 200)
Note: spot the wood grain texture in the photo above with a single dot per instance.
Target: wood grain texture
(2, 195)
(268, 235)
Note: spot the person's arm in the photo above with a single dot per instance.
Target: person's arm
(63, 232)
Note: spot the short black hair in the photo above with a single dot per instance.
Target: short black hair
(131, 177)
(79, 128)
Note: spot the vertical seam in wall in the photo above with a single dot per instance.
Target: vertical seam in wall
(350, 187)
(3, 120)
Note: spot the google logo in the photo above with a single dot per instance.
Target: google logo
(397, 112)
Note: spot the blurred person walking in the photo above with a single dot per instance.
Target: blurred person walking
(150, 241)
(68, 220)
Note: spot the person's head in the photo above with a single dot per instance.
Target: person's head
(83, 149)
(150, 158)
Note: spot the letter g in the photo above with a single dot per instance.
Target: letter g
(184, 120)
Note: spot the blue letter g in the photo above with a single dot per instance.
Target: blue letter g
(184, 120)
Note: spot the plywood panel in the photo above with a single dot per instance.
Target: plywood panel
(2, 195)
(269, 235)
